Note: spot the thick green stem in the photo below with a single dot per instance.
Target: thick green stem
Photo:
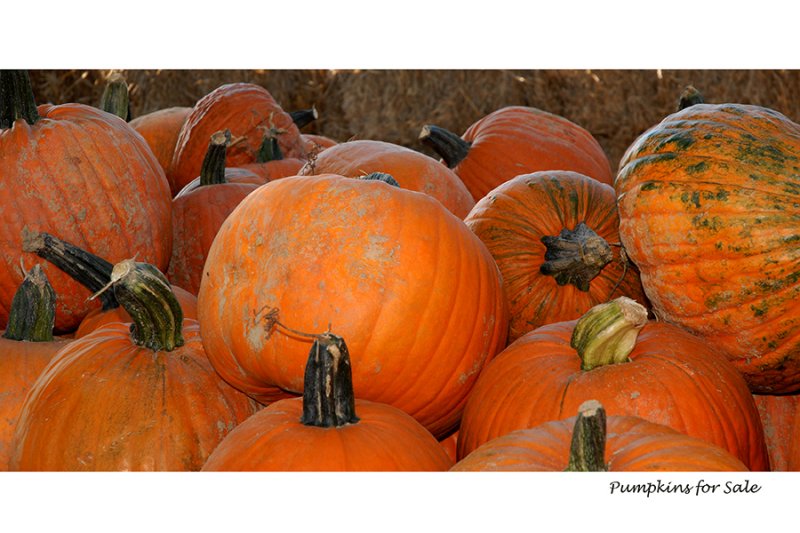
(607, 333)
(689, 97)
(147, 296)
(115, 99)
(328, 399)
(269, 150)
(304, 117)
(16, 98)
(33, 309)
(89, 270)
(212, 171)
(380, 176)
(575, 256)
(450, 147)
(588, 448)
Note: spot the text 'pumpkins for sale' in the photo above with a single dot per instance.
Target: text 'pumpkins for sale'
(417, 295)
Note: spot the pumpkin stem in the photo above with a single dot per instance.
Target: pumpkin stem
(689, 97)
(269, 150)
(89, 270)
(328, 399)
(450, 147)
(607, 333)
(575, 256)
(304, 117)
(212, 171)
(16, 98)
(147, 296)
(115, 99)
(587, 450)
(33, 309)
(380, 176)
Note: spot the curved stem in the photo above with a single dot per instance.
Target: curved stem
(89, 270)
(607, 333)
(587, 450)
(689, 97)
(212, 171)
(575, 256)
(33, 309)
(304, 117)
(328, 399)
(147, 296)
(115, 98)
(16, 98)
(450, 147)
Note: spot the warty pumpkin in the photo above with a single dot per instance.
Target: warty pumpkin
(595, 442)
(139, 396)
(517, 140)
(555, 238)
(633, 366)
(83, 174)
(708, 212)
(417, 295)
(328, 429)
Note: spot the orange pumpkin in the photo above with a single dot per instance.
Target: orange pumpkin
(160, 129)
(517, 140)
(780, 416)
(633, 366)
(555, 237)
(416, 294)
(328, 429)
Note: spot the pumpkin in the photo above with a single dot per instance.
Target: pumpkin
(199, 210)
(517, 140)
(595, 442)
(270, 163)
(412, 170)
(249, 111)
(328, 429)
(632, 366)
(26, 346)
(555, 238)
(139, 396)
(160, 130)
(94, 273)
(84, 174)
(780, 416)
(316, 143)
(416, 294)
(707, 213)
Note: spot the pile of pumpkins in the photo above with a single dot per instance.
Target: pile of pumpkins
(208, 288)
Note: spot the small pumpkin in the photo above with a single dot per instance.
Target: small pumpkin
(328, 429)
(517, 140)
(633, 366)
(595, 442)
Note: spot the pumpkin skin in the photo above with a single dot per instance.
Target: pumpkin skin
(513, 219)
(779, 416)
(160, 129)
(247, 110)
(518, 140)
(86, 176)
(365, 268)
(317, 143)
(706, 201)
(412, 170)
(633, 445)
(672, 378)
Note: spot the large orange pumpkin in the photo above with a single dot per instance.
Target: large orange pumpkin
(139, 396)
(249, 111)
(593, 442)
(83, 174)
(517, 140)
(328, 429)
(632, 366)
(555, 237)
(708, 212)
(416, 293)
(26, 347)
(412, 170)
